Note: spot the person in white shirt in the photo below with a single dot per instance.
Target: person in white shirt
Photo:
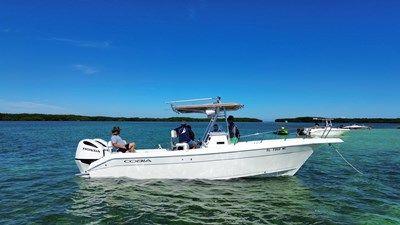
(119, 144)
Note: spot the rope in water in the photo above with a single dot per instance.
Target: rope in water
(358, 171)
(333, 147)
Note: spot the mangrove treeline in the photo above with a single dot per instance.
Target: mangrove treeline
(55, 117)
(341, 120)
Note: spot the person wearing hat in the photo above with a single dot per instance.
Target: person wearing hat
(234, 133)
(186, 135)
(119, 144)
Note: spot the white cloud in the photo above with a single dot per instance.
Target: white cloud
(29, 107)
(85, 69)
(81, 43)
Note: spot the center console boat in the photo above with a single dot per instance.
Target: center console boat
(215, 158)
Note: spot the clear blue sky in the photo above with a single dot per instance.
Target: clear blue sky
(127, 58)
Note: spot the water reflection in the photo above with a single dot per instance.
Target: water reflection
(252, 200)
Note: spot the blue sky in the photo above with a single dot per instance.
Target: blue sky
(127, 58)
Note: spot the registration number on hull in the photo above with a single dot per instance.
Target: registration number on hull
(274, 149)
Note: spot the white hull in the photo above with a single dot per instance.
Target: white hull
(269, 158)
(357, 127)
(327, 132)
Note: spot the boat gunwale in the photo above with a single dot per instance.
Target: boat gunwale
(205, 151)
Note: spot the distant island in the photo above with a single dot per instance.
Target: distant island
(55, 117)
(341, 120)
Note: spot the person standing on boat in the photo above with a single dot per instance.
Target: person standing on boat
(186, 135)
(216, 128)
(120, 144)
(234, 133)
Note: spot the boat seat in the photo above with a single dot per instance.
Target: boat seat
(182, 146)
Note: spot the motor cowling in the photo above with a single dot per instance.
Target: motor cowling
(88, 151)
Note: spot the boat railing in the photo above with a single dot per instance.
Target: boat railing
(326, 132)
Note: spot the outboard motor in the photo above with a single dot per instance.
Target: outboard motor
(88, 151)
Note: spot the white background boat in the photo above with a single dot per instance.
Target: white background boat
(217, 158)
(357, 127)
(324, 132)
(328, 131)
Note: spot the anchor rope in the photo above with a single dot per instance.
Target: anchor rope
(334, 148)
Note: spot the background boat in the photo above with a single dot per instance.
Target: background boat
(356, 127)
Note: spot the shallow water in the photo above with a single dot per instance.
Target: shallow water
(38, 183)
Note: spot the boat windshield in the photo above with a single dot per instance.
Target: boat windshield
(328, 121)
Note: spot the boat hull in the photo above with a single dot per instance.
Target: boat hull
(278, 157)
(269, 162)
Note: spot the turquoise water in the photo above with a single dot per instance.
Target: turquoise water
(38, 183)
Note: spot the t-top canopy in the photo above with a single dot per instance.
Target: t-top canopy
(203, 107)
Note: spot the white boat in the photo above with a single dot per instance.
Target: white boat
(356, 127)
(324, 132)
(327, 131)
(216, 158)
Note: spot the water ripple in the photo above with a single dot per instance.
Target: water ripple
(37, 183)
